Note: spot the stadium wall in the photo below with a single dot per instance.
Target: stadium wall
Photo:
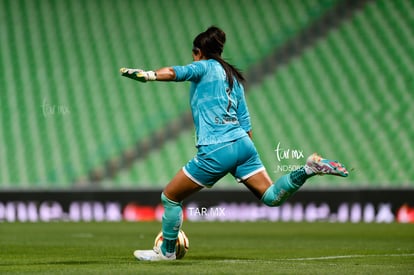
(366, 206)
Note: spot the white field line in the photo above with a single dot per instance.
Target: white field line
(349, 256)
(319, 258)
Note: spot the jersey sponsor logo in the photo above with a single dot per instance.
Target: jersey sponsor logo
(226, 119)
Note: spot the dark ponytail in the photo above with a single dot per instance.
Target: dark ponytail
(211, 43)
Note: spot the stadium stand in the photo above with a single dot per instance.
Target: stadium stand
(342, 98)
(67, 115)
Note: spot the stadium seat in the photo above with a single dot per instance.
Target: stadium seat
(66, 111)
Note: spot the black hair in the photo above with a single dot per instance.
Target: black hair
(211, 43)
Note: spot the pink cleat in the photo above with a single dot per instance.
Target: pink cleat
(321, 166)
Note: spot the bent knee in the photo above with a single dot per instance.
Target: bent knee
(166, 202)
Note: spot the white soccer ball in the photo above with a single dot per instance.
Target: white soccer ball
(181, 246)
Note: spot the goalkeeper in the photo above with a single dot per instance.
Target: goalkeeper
(224, 139)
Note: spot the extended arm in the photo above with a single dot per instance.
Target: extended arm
(163, 74)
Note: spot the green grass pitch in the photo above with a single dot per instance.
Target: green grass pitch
(215, 248)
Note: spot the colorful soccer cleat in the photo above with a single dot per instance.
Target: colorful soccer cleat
(322, 166)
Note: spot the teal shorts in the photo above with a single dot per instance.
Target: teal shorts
(212, 162)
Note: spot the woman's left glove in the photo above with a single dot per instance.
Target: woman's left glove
(138, 74)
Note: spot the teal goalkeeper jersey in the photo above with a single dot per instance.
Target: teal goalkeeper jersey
(219, 114)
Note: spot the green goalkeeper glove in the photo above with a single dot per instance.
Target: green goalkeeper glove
(138, 74)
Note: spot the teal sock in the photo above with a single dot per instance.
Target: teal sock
(168, 246)
(299, 176)
(171, 223)
(280, 191)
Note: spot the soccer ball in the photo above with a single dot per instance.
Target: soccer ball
(181, 246)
